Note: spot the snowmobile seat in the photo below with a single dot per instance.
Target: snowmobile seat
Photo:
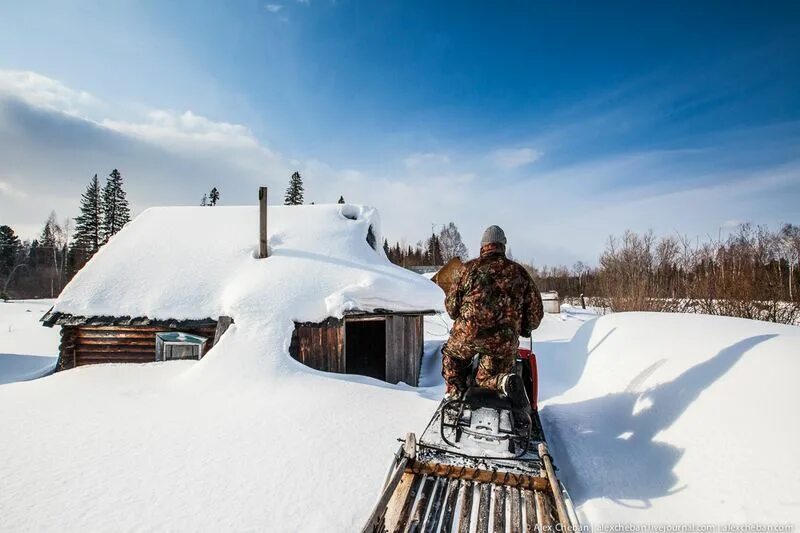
(476, 397)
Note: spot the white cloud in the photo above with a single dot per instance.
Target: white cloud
(273, 8)
(418, 159)
(515, 157)
(41, 91)
(54, 138)
(170, 126)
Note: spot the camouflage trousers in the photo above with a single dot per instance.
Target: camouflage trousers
(497, 354)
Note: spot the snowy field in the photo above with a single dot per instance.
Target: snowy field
(27, 350)
(652, 418)
(655, 418)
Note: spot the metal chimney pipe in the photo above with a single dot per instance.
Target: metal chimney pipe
(262, 223)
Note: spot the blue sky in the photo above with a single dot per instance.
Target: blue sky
(563, 121)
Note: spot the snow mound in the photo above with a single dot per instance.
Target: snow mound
(677, 418)
(200, 262)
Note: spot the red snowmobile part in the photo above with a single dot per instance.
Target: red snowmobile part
(530, 376)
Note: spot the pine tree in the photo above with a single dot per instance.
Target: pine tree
(88, 230)
(433, 252)
(213, 197)
(294, 193)
(116, 212)
(341, 200)
(204, 201)
(386, 248)
(10, 247)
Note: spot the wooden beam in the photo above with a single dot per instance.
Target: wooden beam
(561, 510)
(262, 223)
(508, 479)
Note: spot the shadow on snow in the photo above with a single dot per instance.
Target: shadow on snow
(605, 445)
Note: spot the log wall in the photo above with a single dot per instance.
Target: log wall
(86, 345)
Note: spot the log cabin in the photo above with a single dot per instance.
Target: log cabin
(143, 298)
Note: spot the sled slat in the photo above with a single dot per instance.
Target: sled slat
(543, 520)
(483, 508)
(450, 505)
(422, 505)
(499, 496)
(530, 513)
(432, 520)
(515, 518)
(466, 508)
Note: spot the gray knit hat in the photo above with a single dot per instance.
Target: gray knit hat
(493, 235)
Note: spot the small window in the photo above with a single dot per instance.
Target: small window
(173, 345)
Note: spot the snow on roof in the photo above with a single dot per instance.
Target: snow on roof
(197, 262)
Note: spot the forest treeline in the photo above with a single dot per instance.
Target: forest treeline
(753, 272)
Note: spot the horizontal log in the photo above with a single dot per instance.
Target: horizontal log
(144, 335)
(120, 358)
(153, 329)
(115, 359)
(507, 479)
(82, 348)
(143, 343)
(87, 362)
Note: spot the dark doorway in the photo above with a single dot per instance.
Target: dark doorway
(365, 348)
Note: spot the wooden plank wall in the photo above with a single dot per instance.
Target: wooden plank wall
(404, 344)
(323, 346)
(86, 345)
(320, 346)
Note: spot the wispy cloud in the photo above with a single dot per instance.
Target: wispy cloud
(425, 158)
(515, 157)
(41, 91)
(54, 137)
(273, 8)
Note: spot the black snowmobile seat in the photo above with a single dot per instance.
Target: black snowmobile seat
(476, 397)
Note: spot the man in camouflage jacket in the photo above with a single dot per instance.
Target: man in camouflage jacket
(494, 302)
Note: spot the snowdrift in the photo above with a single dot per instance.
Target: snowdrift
(197, 262)
(651, 417)
(27, 350)
(677, 419)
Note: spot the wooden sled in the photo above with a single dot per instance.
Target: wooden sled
(479, 466)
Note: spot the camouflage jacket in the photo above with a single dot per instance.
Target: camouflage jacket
(492, 294)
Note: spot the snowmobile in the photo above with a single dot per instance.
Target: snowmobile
(481, 464)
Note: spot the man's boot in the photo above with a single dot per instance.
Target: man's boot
(514, 388)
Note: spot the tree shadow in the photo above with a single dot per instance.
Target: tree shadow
(605, 445)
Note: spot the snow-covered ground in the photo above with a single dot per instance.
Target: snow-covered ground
(676, 418)
(652, 417)
(27, 350)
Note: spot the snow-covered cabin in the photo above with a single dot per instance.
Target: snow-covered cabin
(326, 291)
